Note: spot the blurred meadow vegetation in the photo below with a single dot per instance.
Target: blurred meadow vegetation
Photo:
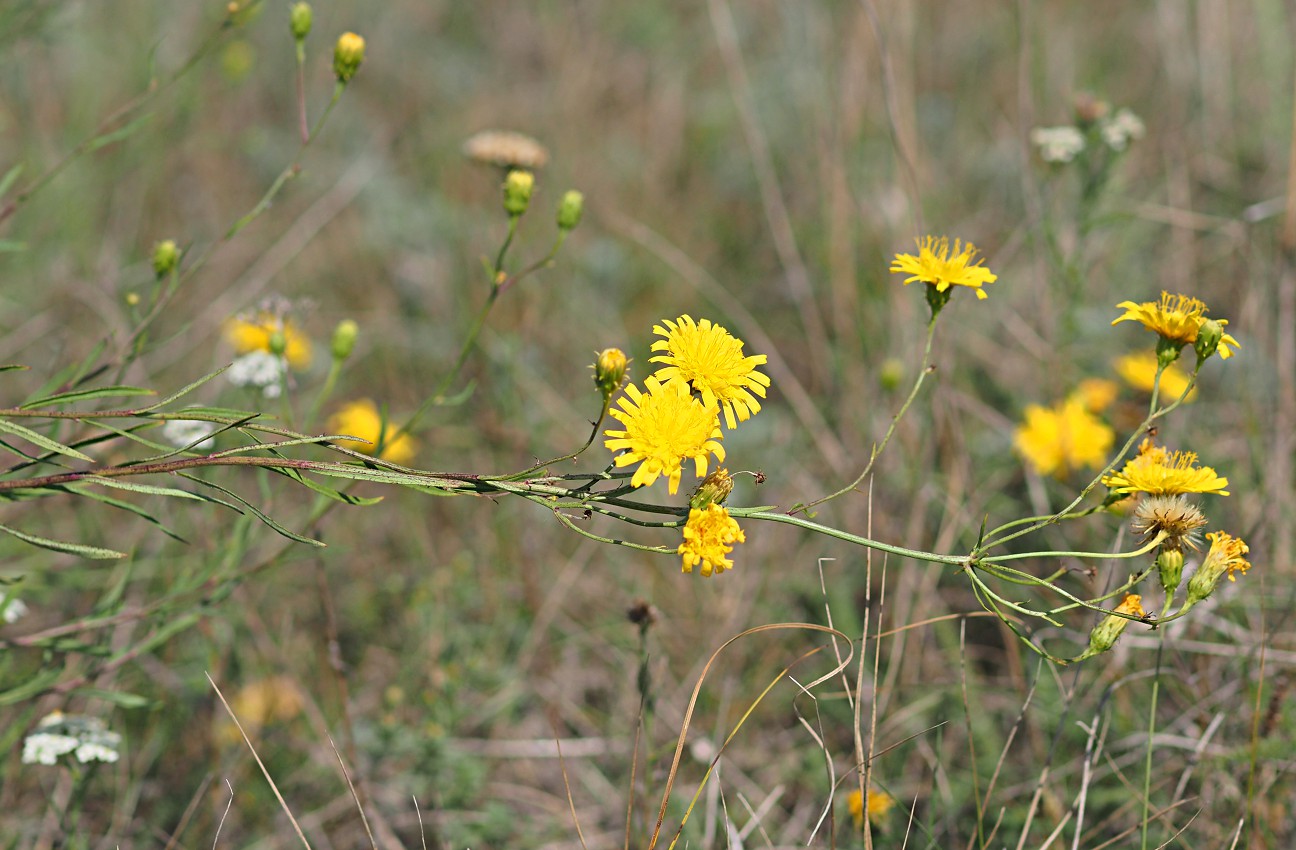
(468, 672)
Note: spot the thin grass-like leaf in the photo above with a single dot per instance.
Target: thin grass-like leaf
(85, 395)
(41, 440)
(93, 552)
(188, 388)
(255, 511)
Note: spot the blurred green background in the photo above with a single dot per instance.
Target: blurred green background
(756, 163)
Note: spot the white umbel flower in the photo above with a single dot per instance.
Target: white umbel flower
(1058, 144)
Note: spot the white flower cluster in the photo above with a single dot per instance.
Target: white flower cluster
(1058, 144)
(259, 369)
(182, 432)
(57, 734)
(1122, 128)
(12, 609)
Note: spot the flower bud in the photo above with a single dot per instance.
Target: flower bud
(277, 342)
(1227, 555)
(347, 56)
(892, 374)
(344, 339)
(609, 371)
(936, 299)
(1208, 339)
(1167, 351)
(1104, 635)
(518, 186)
(166, 256)
(569, 210)
(713, 490)
(299, 20)
(1170, 564)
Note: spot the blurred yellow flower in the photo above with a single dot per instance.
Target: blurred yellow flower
(258, 704)
(1159, 471)
(938, 265)
(253, 333)
(1095, 394)
(1057, 440)
(1139, 371)
(664, 427)
(709, 536)
(361, 418)
(712, 361)
(879, 803)
(1176, 318)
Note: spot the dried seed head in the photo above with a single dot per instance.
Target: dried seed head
(506, 150)
(1181, 521)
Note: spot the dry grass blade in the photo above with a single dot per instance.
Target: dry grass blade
(354, 795)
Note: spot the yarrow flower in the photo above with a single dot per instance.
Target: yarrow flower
(1139, 369)
(1176, 319)
(259, 369)
(942, 267)
(57, 734)
(1122, 128)
(711, 360)
(12, 609)
(1057, 440)
(1158, 471)
(663, 428)
(193, 433)
(709, 536)
(1058, 144)
(255, 332)
(879, 803)
(361, 418)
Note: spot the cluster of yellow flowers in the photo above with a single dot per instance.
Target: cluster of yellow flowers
(676, 418)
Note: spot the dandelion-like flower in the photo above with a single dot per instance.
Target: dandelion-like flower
(1181, 521)
(709, 535)
(361, 418)
(942, 267)
(1139, 369)
(254, 333)
(1057, 440)
(1176, 319)
(879, 803)
(663, 428)
(1095, 394)
(1058, 144)
(1158, 471)
(710, 359)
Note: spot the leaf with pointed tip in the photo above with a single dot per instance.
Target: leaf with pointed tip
(41, 440)
(84, 551)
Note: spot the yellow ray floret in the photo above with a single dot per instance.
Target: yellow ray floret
(712, 362)
(1056, 440)
(709, 536)
(1139, 371)
(1177, 318)
(942, 267)
(663, 428)
(361, 418)
(1158, 471)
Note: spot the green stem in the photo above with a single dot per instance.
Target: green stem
(809, 525)
(1147, 764)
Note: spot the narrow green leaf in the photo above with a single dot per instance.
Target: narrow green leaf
(41, 440)
(84, 395)
(60, 546)
(255, 511)
(184, 391)
(125, 506)
(9, 367)
(119, 134)
(459, 397)
(336, 495)
(6, 182)
(115, 697)
(9, 246)
(38, 684)
(143, 488)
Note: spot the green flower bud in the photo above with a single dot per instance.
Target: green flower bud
(518, 186)
(166, 256)
(278, 342)
(609, 371)
(299, 20)
(344, 339)
(1170, 564)
(1167, 351)
(347, 56)
(1104, 635)
(713, 490)
(892, 374)
(569, 210)
(936, 299)
(1227, 555)
(1208, 338)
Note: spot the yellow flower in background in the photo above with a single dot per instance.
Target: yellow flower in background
(1159, 471)
(1057, 440)
(258, 704)
(1176, 318)
(709, 536)
(1095, 394)
(710, 359)
(663, 428)
(879, 803)
(253, 333)
(1139, 371)
(361, 418)
(942, 267)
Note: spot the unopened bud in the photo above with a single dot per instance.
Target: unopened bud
(166, 255)
(1167, 351)
(1104, 635)
(278, 342)
(610, 371)
(1208, 338)
(347, 56)
(344, 339)
(713, 490)
(518, 186)
(892, 374)
(569, 210)
(299, 20)
(1170, 564)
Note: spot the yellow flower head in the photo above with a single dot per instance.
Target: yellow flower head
(938, 265)
(664, 427)
(1139, 371)
(253, 333)
(1057, 440)
(879, 803)
(712, 361)
(1161, 472)
(709, 535)
(1095, 394)
(360, 418)
(1175, 318)
(259, 704)
(1227, 555)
